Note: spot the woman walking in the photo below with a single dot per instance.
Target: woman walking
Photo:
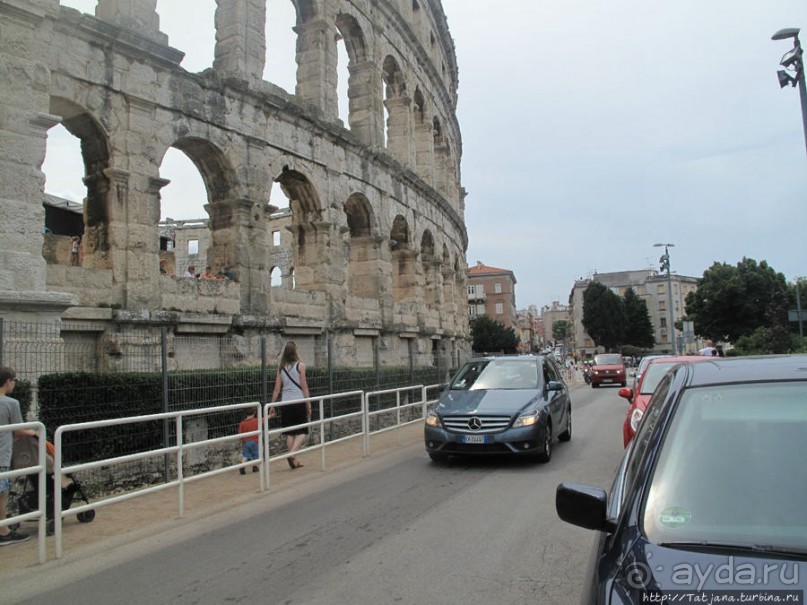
(290, 383)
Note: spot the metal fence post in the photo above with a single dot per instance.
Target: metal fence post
(264, 373)
(164, 370)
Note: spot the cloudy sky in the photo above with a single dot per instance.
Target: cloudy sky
(593, 130)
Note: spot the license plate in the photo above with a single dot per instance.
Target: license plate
(474, 439)
(608, 380)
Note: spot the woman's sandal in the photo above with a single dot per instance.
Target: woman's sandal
(292, 463)
(298, 464)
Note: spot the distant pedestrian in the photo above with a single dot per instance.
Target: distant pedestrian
(9, 414)
(709, 350)
(75, 244)
(290, 384)
(249, 444)
(207, 274)
(191, 272)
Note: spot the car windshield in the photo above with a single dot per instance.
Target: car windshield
(497, 374)
(653, 375)
(732, 470)
(608, 360)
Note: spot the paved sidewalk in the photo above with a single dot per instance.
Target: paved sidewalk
(145, 516)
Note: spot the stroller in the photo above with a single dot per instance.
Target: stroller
(24, 497)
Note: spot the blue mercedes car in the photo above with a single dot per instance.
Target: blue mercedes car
(513, 405)
(709, 503)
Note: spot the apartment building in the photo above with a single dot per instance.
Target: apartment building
(492, 292)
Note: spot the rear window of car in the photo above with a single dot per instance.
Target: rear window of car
(653, 375)
(731, 468)
(497, 374)
(608, 360)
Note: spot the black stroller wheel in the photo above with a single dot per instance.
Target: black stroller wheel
(51, 527)
(86, 516)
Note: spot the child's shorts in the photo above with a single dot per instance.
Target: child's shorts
(250, 450)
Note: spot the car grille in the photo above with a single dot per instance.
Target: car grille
(468, 424)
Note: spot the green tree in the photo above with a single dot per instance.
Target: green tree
(638, 327)
(491, 335)
(604, 316)
(561, 330)
(731, 302)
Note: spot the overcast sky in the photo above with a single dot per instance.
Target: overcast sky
(592, 130)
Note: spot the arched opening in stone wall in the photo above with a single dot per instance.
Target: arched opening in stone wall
(363, 250)
(64, 198)
(210, 238)
(355, 88)
(430, 264)
(305, 214)
(424, 139)
(397, 112)
(403, 259)
(280, 66)
(275, 277)
(94, 245)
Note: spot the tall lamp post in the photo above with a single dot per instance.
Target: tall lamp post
(793, 72)
(664, 263)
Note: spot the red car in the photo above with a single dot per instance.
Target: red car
(608, 368)
(654, 371)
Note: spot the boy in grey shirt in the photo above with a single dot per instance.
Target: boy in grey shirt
(9, 414)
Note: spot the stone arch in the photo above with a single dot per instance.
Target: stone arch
(363, 248)
(361, 86)
(403, 261)
(424, 140)
(396, 103)
(431, 274)
(102, 183)
(306, 223)
(442, 158)
(223, 201)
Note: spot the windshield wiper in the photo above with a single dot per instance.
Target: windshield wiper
(765, 549)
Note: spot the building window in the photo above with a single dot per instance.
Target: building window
(193, 246)
(497, 288)
(499, 309)
(660, 289)
(275, 238)
(662, 305)
(663, 322)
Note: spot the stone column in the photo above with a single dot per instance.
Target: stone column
(399, 130)
(239, 241)
(366, 111)
(136, 15)
(424, 152)
(24, 122)
(316, 66)
(240, 38)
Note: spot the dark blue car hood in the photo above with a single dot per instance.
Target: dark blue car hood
(651, 569)
(498, 402)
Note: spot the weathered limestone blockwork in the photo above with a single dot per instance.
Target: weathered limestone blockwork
(373, 241)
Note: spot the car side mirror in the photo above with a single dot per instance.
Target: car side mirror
(627, 393)
(554, 385)
(583, 505)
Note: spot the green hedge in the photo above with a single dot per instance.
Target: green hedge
(78, 397)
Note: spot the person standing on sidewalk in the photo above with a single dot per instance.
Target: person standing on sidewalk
(9, 414)
(290, 383)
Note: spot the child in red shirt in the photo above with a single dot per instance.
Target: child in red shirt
(249, 447)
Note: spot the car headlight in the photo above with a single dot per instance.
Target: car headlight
(433, 419)
(635, 418)
(527, 420)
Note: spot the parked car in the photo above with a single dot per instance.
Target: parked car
(608, 368)
(501, 405)
(640, 367)
(638, 396)
(710, 494)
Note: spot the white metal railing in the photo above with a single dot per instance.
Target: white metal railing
(265, 435)
(40, 469)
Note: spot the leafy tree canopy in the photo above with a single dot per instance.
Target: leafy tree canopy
(604, 316)
(731, 302)
(491, 335)
(561, 330)
(638, 327)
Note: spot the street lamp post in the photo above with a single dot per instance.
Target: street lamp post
(664, 262)
(793, 72)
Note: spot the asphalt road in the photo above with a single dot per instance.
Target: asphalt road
(393, 529)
